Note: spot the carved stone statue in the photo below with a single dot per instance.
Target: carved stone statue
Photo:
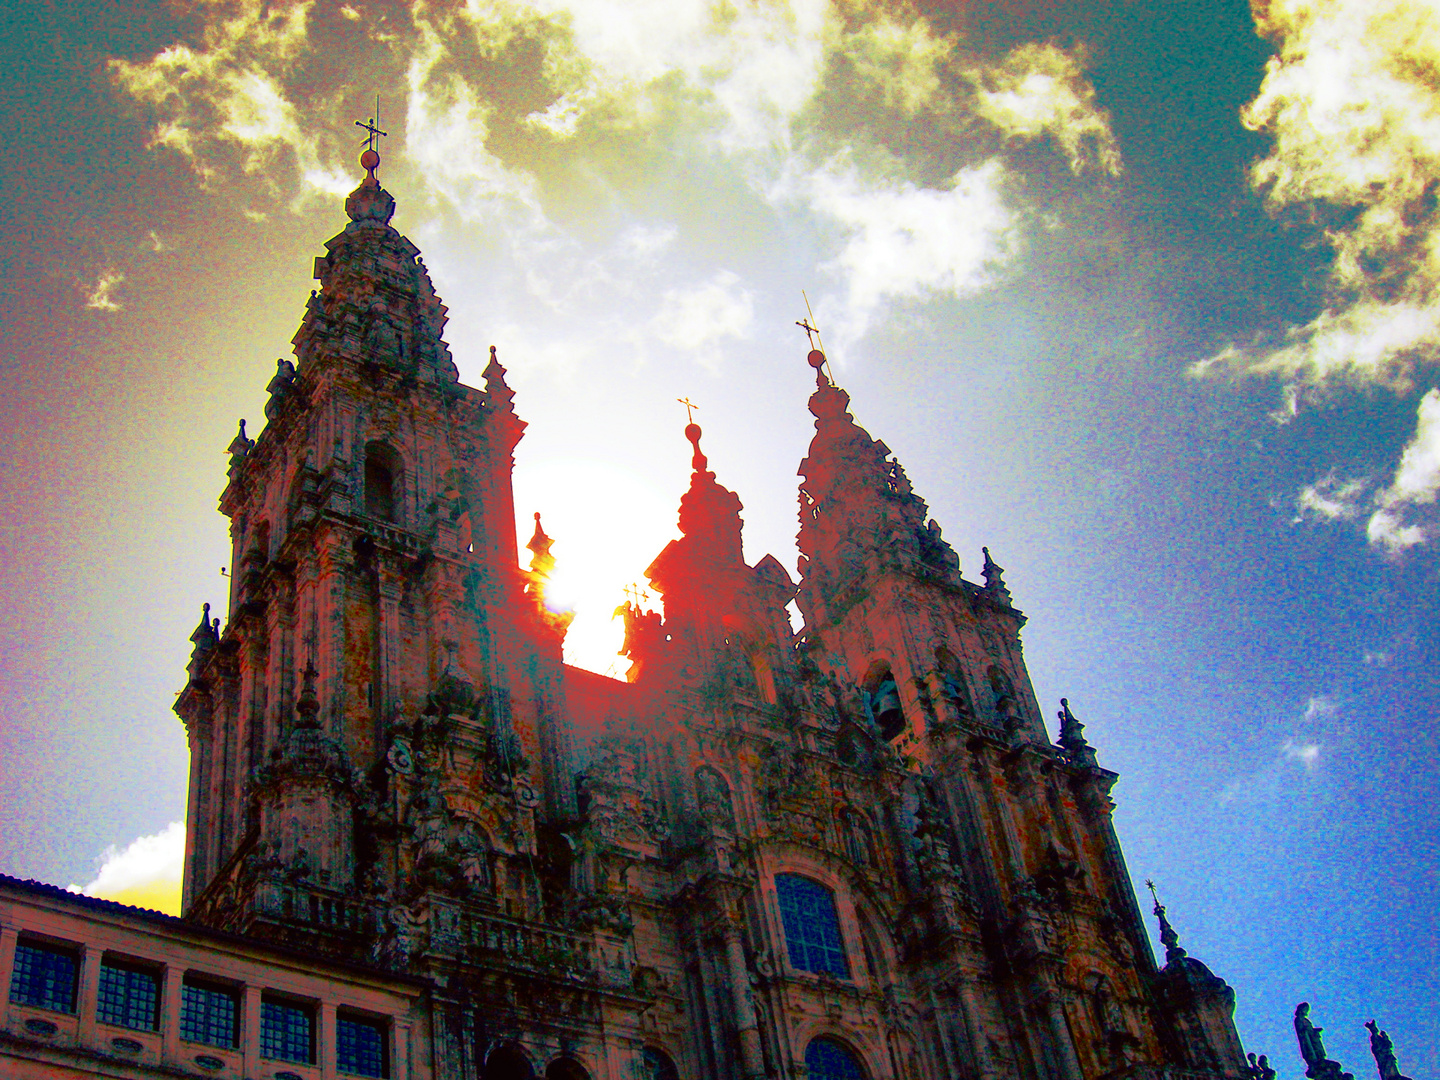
(1312, 1049)
(1383, 1051)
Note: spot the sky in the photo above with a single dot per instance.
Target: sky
(1145, 296)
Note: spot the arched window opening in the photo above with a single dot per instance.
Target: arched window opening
(508, 1062)
(382, 481)
(565, 1069)
(952, 681)
(812, 926)
(829, 1059)
(885, 704)
(655, 1064)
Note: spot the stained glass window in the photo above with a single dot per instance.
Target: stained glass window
(44, 977)
(287, 1032)
(812, 929)
(826, 1059)
(359, 1046)
(128, 997)
(208, 1014)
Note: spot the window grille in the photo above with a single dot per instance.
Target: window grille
(208, 1015)
(826, 1059)
(812, 928)
(359, 1046)
(287, 1032)
(128, 997)
(44, 977)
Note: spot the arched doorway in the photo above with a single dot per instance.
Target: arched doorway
(508, 1062)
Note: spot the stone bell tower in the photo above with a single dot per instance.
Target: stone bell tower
(1045, 952)
(380, 714)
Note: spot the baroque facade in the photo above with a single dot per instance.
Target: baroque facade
(851, 851)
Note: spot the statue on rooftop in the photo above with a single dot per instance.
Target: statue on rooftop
(1312, 1049)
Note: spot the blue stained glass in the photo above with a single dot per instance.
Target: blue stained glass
(826, 1059)
(208, 1015)
(44, 977)
(812, 929)
(359, 1047)
(286, 1032)
(128, 997)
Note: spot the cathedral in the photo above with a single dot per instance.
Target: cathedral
(420, 845)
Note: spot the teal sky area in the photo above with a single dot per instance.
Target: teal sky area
(1156, 323)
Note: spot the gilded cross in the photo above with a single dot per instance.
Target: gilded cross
(372, 126)
(690, 406)
(810, 331)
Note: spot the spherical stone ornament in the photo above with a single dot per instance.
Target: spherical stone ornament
(370, 160)
(816, 359)
(692, 432)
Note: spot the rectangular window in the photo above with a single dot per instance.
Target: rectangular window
(128, 997)
(44, 977)
(209, 1014)
(360, 1046)
(287, 1032)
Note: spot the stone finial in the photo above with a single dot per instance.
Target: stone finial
(541, 561)
(994, 577)
(307, 705)
(239, 446)
(205, 636)
(495, 385)
(698, 461)
(1072, 737)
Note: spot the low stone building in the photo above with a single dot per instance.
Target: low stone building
(850, 852)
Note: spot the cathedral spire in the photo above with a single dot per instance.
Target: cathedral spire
(1168, 937)
(859, 517)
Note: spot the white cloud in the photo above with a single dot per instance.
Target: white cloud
(1331, 499)
(229, 92)
(1305, 752)
(699, 318)
(143, 868)
(1320, 707)
(1040, 89)
(100, 296)
(1353, 109)
(1416, 483)
(904, 241)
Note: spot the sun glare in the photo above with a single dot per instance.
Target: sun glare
(607, 525)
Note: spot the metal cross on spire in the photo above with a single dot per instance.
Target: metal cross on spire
(810, 331)
(690, 408)
(372, 127)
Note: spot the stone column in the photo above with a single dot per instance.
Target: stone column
(250, 1030)
(89, 993)
(389, 660)
(1053, 1005)
(970, 1012)
(325, 1039)
(172, 978)
(330, 633)
(9, 935)
(747, 1026)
